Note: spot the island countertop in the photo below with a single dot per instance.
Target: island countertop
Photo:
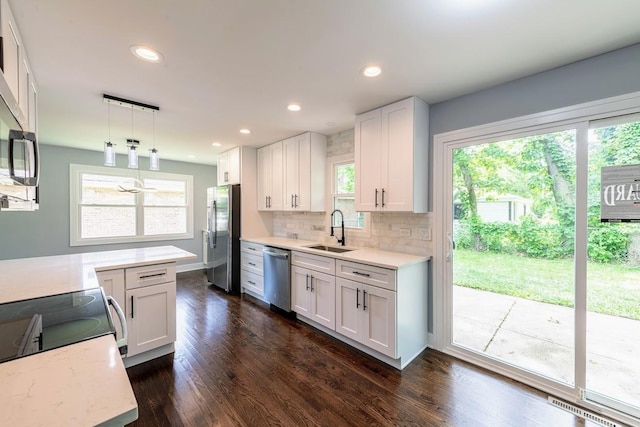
(26, 278)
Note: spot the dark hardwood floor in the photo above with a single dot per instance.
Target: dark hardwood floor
(239, 364)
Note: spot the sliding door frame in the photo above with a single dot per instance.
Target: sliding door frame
(574, 117)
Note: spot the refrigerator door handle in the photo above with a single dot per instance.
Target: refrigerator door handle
(214, 242)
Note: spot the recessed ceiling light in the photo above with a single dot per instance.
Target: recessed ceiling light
(293, 107)
(146, 53)
(245, 131)
(372, 71)
(216, 144)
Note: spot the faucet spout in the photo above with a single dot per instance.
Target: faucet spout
(342, 239)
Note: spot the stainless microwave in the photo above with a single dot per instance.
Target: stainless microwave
(19, 164)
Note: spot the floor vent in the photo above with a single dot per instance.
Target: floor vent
(583, 413)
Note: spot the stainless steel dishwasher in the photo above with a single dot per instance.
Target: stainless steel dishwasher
(277, 277)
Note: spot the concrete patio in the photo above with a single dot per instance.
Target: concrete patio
(539, 337)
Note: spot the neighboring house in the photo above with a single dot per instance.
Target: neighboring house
(503, 208)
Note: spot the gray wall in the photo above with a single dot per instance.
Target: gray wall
(46, 231)
(603, 76)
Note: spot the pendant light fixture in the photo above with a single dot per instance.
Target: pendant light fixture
(132, 143)
(154, 159)
(109, 150)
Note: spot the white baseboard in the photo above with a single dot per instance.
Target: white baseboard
(181, 268)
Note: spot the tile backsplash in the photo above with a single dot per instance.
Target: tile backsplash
(396, 232)
(389, 231)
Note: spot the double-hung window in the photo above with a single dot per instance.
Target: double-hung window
(343, 195)
(119, 205)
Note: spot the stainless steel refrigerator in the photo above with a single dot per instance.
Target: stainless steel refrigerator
(223, 237)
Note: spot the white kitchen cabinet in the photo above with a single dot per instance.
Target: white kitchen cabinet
(147, 295)
(229, 167)
(313, 295)
(16, 70)
(270, 172)
(391, 157)
(112, 282)
(304, 172)
(367, 314)
(251, 269)
(151, 317)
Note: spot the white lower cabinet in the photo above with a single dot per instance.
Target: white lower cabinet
(151, 317)
(367, 314)
(251, 271)
(313, 295)
(147, 295)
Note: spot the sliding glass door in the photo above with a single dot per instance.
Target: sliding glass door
(540, 257)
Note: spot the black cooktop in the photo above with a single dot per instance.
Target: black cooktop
(41, 324)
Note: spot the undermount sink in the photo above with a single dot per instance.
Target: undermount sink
(329, 248)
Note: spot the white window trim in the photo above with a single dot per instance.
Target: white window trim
(332, 162)
(75, 196)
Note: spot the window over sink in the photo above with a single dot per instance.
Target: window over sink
(343, 186)
(119, 205)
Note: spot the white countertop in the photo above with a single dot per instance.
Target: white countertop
(81, 384)
(40, 276)
(393, 260)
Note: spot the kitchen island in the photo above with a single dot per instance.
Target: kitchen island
(80, 384)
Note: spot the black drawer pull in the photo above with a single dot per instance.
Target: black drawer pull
(249, 281)
(250, 263)
(151, 276)
(361, 274)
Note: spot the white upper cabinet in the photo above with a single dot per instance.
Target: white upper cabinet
(229, 167)
(391, 157)
(304, 172)
(270, 171)
(17, 71)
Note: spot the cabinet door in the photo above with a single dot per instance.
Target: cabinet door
(368, 160)
(379, 320)
(112, 282)
(303, 199)
(348, 308)
(300, 295)
(277, 183)
(233, 166)
(323, 299)
(290, 155)
(151, 317)
(223, 168)
(397, 155)
(33, 106)
(11, 54)
(264, 176)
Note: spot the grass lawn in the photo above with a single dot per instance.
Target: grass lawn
(611, 288)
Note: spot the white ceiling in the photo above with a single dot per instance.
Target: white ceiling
(238, 63)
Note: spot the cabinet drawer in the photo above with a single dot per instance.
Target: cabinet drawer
(139, 277)
(251, 247)
(251, 262)
(252, 282)
(369, 274)
(314, 262)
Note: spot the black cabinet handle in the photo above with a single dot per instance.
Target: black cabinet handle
(250, 263)
(269, 201)
(311, 283)
(249, 281)
(364, 300)
(292, 200)
(266, 201)
(132, 306)
(307, 282)
(296, 200)
(376, 205)
(357, 298)
(361, 274)
(383, 197)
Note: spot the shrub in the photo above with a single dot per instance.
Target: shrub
(607, 244)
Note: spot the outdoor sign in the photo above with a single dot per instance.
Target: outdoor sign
(620, 194)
